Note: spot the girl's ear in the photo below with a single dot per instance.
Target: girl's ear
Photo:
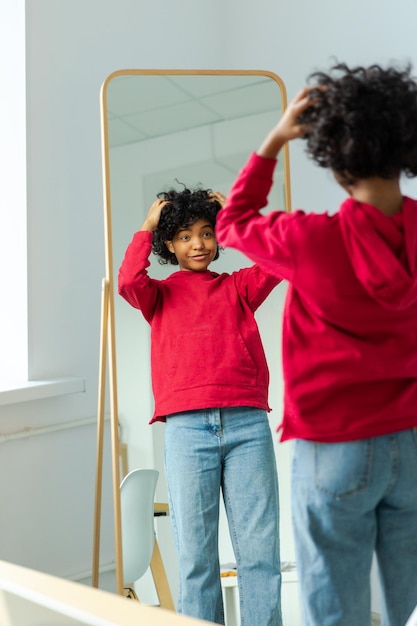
(170, 246)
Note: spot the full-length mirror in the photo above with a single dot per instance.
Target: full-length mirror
(161, 129)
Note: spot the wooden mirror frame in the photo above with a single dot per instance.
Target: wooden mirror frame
(107, 358)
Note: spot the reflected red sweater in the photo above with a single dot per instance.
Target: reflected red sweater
(350, 321)
(206, 350)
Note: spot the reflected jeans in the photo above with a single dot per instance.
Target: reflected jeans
(229, 451)
(351, 500)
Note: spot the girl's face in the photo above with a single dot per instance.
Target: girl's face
(195, 247)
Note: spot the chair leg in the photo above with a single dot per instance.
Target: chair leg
(161, 580)
(129, 592)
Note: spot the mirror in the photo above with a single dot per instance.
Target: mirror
(161, 128)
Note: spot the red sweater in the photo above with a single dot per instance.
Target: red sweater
(350, 321)
(206, 350)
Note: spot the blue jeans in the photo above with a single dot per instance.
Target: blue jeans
(229, 451)
(351, 500)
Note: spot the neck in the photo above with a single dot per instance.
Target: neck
(381, 193)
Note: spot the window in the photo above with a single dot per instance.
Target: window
(13, 244)
(14, 383)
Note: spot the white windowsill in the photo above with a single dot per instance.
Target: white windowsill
(25, 391)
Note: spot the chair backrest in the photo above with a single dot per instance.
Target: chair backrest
(137, 493)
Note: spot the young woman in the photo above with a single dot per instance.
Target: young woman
(210, 383)
(350, 338)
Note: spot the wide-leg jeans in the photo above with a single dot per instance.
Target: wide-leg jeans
(351, 500)
(228, 451)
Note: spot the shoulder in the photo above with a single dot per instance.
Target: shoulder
(313, 219)
(300, 224)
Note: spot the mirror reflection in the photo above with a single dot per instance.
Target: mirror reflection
(161, 130)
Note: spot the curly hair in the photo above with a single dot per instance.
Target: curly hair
(184, 208)
(364, 123)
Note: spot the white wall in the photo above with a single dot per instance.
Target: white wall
(48, 482)
(295, 38)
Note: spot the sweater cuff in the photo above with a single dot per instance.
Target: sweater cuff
(143, 235)
(262, 167)
(141, 243)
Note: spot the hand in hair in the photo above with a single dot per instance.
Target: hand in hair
(217, 195)
(288, 127)
(154, 214)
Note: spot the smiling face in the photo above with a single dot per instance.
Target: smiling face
(195, 246)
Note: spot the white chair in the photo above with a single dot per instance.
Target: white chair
(137, 493)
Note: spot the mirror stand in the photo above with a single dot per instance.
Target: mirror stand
(156, 565)
(105, 334)
(107, 358)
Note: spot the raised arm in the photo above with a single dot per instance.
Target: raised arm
(240, 223)
(134, 284)
(153, 216)
(288, 127)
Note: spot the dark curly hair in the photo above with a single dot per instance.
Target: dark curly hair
(364, 123)
(184, 208)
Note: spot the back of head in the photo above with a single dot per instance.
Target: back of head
(183, 209)
(363, 122)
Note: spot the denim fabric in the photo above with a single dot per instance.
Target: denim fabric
(230, 451)
(351, 500)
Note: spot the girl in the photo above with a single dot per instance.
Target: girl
(210, 383)
(350, 338)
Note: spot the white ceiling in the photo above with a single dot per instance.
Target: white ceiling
(141, 107)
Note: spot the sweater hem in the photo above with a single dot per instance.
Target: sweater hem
(343, 437)
(163, 417)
